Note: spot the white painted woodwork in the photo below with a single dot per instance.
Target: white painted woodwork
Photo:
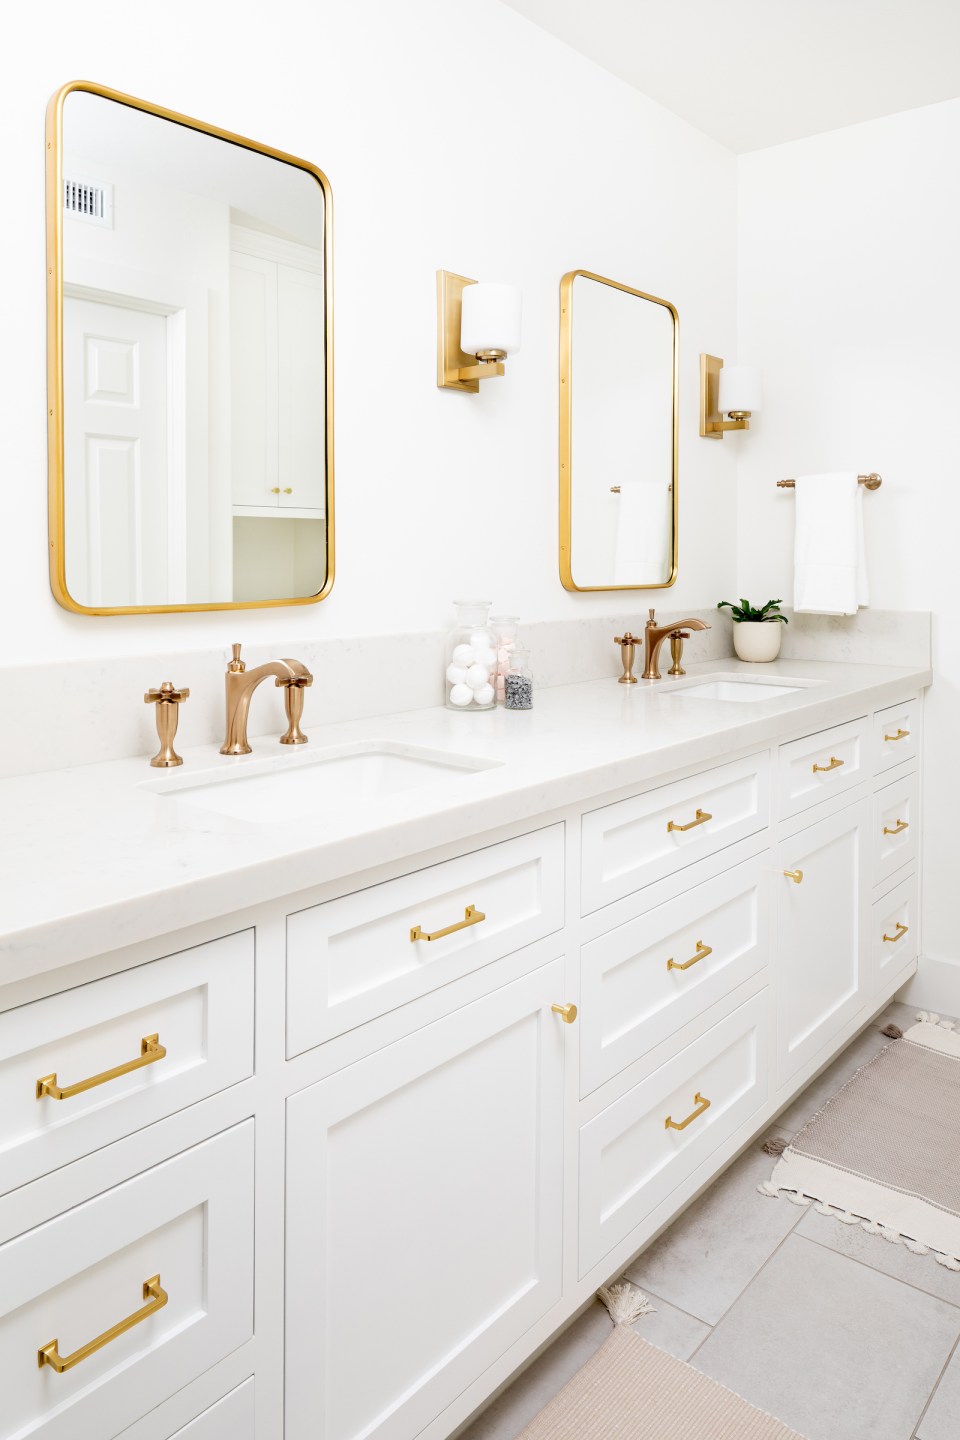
(631, 999)
(353, 959)
(895, 923)
(629, 844)
(894, 806)
(823, 945)
(800, 785)
(424, 1204)
(232, 1418)
(190, 1220)
(301, 390)
(896, 733)
(254, 458)
(630, 1160)
(199, 1002)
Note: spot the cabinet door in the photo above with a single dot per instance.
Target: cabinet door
(823, 922)
(253, 380)
(302, 394)
(423, 1215)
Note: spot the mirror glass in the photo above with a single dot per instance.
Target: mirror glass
(191, 444)
(618, 436)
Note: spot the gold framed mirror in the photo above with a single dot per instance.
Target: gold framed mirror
(189, 363)
(619, 351)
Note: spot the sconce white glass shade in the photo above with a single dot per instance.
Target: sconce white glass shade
(490, 318)
(741, 388)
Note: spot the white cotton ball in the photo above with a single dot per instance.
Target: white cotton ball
(456, 674)
(484, 696)
(479, 639)
(462, 655)
(461, 695)
(476, 676)
(484, 655)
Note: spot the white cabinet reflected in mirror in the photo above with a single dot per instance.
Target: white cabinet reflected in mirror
(190, 363)
(618, 436)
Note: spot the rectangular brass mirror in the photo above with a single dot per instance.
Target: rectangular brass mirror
(190, 363)
(618, 436)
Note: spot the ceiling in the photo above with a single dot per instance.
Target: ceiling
(753, 73)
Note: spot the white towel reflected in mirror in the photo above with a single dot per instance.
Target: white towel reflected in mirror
(644, 541)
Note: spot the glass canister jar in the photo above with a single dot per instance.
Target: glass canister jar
(518, 681)
(471, 659)
(505, 629)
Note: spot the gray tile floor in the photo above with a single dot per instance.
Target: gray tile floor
(840, 1334)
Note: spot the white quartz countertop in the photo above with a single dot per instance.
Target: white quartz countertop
(98, 857)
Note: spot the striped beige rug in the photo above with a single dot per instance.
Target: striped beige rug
(629, 1390)
(884, 1152)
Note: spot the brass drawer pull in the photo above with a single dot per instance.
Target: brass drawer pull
(471, 916)
(701, 1103)
(50, 1355)
(795, 875)
(898, 829)
(150, 1052)
(567, 1013)
(901, 931)
(900, 735)
(834, 765)
(702, 952)
(701, 819)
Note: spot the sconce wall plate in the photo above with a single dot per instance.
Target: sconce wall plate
(455, 369)
(712, 423)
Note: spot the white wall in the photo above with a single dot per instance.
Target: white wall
(849, 294)
(454, 135)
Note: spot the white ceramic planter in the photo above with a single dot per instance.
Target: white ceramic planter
(757, 641)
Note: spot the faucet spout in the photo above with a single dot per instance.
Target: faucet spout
(654, 636)
(240, 684)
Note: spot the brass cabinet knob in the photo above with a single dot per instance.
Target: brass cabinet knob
(795, 875)
(274, 489)
(288, 489)
(567, 1013)
(168, 701)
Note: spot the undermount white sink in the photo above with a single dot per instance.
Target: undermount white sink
(740, 689)
(294, 787)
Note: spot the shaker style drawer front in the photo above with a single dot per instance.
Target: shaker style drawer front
(87, 1066)
(821, 766)
(111, 1307)
(641, 1147)
(355, 958)
(232, 1418)
(896, 814)
(895, 932)
(896, 734)
(634, 842)
(643, 981)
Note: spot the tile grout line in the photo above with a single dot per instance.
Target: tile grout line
(955, 1304)
(936, 1387)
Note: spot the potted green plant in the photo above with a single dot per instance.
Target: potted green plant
(756, 633)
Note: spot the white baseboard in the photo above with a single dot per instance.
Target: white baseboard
(935, 986)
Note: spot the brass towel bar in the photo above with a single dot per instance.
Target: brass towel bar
(872, 481)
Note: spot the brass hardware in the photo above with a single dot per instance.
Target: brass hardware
(901, 931)
(654, 636)
(150, 1052)
(55, 389)
(456, 370)
(873, 481)
(471, 916)
(274, 489)
(614, 489)
(676, 651)
(566, 430)
(825, 769)
(795, 875)
(240, 684)
(567, 1013)
(288, 489)
(702, 952)
(900, 735)
(702, 1105)
(49, 1354)
(700, 818)
(712, 423)
(898, 829)
(168, 702)
(628, 650)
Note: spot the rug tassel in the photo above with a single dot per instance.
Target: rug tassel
(774, 1145)
(892, 1032)
(625, 1302)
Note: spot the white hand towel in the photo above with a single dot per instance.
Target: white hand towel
(830, 575)
(644, 546)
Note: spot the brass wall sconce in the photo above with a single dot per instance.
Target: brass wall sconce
(728, 397)
(478, 326)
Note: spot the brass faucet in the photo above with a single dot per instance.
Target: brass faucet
(291, 676)
(654, 636)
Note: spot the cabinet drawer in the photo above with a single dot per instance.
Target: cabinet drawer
(822, 765)
(355, 958)
(631, 1158)
(199, 1005)
(635, 842)
(186, 1225)
(896, 812)
(894, 934)
(644, 980)
(896, 734)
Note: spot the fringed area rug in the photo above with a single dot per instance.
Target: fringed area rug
(630, 1390)
(884, 1153)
